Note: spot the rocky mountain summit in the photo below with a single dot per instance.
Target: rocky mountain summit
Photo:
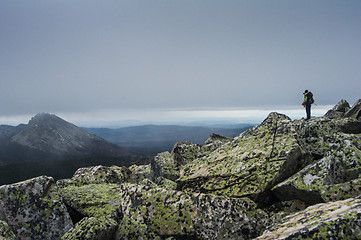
(48, 133)
(282, 179)
(48, 137)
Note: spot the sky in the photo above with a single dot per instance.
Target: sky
(108, 62)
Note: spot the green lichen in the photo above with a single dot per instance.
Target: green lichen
(94, 200)
(246, 166)
(92, 229)
(335, 220)
(5, 231)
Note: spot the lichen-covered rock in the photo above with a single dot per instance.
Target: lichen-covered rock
(174, 213)
(213, 142)
(164, 213)
(334, 220)
(185, 152)
(95, 200)
(92, 229)
(165, 183)
(99, 174)
(338, 110)
(251, 164)
(134, 229)
(34, 210)
(350, 125)
(5, 231)
(284, 208)
(327, 177)
(164, 165)
(167, 164)
(139, 173)
(355, 111)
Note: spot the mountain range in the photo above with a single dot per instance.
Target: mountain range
(152, 139)
(50, 136)
(51, 145)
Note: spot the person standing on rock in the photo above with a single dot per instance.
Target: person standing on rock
(308, 100)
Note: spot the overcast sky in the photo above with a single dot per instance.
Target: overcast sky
(150, 60)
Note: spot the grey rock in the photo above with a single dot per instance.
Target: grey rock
(34, 210)
(334, 220)
(339, 109)
(355, 111)
(5, 231)
(92, 229)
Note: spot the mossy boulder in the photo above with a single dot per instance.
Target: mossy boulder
(98, 174)
(185, 152)
(33, 209)
(338, 110)
(140, 173)
(251, 164)
(355, 111)
(92, 229)
(165, 183)
(5, 231)
(164, 213)
(328, 177)
(213, 142)
(164, 165)
(168, 164)
(334, 220)
(174, 213)
(95, 200)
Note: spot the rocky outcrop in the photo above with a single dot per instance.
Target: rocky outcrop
(338, 110)
(334, 220)
(92, 229)
(251, 164)
(282, 179)
(34, 210)
(355, 111)
(143, 211)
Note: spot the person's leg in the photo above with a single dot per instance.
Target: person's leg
(308, 111)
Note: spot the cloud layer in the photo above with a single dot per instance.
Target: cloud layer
(70, 56)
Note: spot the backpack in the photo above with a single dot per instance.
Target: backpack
(310, 98)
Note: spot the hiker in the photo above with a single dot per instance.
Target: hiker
(308, 100)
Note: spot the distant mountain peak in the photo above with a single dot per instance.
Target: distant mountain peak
(46, 118)
(51, 134)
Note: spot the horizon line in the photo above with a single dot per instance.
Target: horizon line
(120, 118)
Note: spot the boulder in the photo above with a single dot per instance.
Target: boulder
(101, 174)
(338, 110)
(334, 220)
(173, 213)
(185, 152)
(33, 209)
(140, 173)
(213, 142)
(316, 182)
(146, 212)
(350, 125)
(164, 165)
(94, 200)
(92, 229)
(355, 111)
(251, 164)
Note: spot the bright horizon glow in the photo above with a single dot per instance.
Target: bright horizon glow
(120, 118)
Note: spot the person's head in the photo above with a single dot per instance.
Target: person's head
(306, 91)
